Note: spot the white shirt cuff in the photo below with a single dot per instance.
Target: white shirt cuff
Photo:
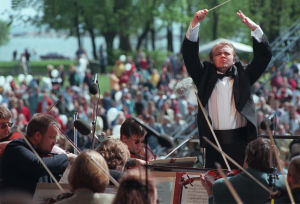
(192, 33)
(257, 34)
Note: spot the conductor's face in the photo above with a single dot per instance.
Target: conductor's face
(223, 57)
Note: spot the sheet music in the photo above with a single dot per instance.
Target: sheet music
(165, 190)
(64, 178)
(47, 190)
(194, 194)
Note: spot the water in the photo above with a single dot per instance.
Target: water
(40, 45)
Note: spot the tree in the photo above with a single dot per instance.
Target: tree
(4, 32)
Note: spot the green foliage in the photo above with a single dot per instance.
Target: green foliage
(4, 33)
(37, 67)
(133, 20)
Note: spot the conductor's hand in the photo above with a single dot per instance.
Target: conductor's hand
(199, 16)
(247, 21)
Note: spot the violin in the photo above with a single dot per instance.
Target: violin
(151, 155)
(58, 198)
(211, 175)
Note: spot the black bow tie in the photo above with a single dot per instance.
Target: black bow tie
(228, 73)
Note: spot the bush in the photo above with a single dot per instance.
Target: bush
(36, 67)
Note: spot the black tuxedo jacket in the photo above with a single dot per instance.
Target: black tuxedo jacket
(204, 76)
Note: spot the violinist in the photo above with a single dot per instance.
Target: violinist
(116, 154)
(5, 128)
(293, 178)
(133, 135)
(257, 163)
(88, 181)
(21, 169)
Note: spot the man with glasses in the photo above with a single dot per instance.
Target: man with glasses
(133, 135)
(5, 128)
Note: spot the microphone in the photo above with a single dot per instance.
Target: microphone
(163, 140)
(268, 121)
(94, 86)
(82, 127)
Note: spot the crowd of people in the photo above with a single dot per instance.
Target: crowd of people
(40, 111)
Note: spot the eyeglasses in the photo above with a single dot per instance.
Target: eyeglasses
(138, 141)
(3, 125)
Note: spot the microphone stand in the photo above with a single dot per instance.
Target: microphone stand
(146, 167)
(75, 132)
(95, 111)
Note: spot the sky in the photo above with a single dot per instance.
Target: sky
(17, 26)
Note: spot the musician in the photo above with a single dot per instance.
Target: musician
(5, 128)
(21, 169)
(116, 155)
(224, 89)
(257, 163)
(293, 178)
(88, 181)
(133, 135)
(133, 189)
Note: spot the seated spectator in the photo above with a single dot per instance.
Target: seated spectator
(88, 181)
(133, 189)
(293, 178)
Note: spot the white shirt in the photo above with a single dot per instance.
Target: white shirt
(221, 104)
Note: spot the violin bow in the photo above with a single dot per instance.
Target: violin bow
(96, 163)
(279, 164)
(239, 166)
(44, 165)
(212, 131)
(229, 185)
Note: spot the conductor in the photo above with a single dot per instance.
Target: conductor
(223, 86)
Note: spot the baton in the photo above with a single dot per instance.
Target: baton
(219, 5)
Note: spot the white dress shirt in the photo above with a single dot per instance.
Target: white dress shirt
(221, 104)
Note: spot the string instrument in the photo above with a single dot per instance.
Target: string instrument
(58, 198)
(150, 154)
(211, 175)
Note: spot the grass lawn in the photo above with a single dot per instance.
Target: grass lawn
(103, 81)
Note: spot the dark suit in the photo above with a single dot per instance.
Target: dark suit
(21, 169)
(204, 75)
(284, 197)
(249, 191)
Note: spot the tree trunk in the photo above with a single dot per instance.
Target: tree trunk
(153, 38)
(215, 25)
(109, 39)
(143, 35)
(125, 43)
(76, 25)
(170, 38)
(92, 35)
